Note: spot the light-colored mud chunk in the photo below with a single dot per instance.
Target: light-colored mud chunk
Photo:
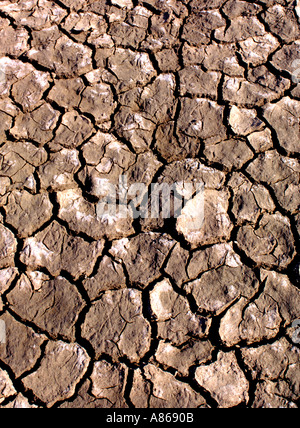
(62, 367)
(115, 325)
(155, 388)
(52, 305)
(225, 380)
(27, 213)
(176, 322)
(22, 348)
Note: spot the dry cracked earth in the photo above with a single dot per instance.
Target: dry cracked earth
(144, 313)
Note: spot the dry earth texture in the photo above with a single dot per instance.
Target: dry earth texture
(146, 313)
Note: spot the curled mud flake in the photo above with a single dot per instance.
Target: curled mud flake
(261, 88)
(256, 50)
(66, 92)
(201, 118)
(59, 304)
(194, 81)
(251, 322)
(22, 348)
(287, 110)
(123, 3)
(58, 172)
(217, 289)
(17, 166)
(98, 101)
(20, 402)
(86, 400)
(282, 174)
(27, 213)
(205, 219)
(181, 359)
(108, 160)
(8, 111)
(241, 28)
(82, 217)
(73, 130)
(268, 396)
(234, 9)
(29, 91)
(143, 256)
(214, 57)
(7, 276)
(131, 68)
(271, 244)
(287, 60)
(6, 386)
(282, 22)
(249, 200)
(37, 126)
(155, 388)
(199, 27)
(109, 383)
(284, 293)
(57, 251)
(16, 41)
(176, 322)
(85, 27)
(225, 380)
(261, 141)
(212, 258)
(176, 266)
(115, 325)
(231, 153)
(110, 276)
(56, 52)
(244, 122)
(62, 367)
(8, 247)
(256, 358)
(36, 14)
(276, 366)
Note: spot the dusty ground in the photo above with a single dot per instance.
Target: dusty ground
(146, 313)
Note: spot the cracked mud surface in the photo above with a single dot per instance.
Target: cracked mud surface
(148, 313)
